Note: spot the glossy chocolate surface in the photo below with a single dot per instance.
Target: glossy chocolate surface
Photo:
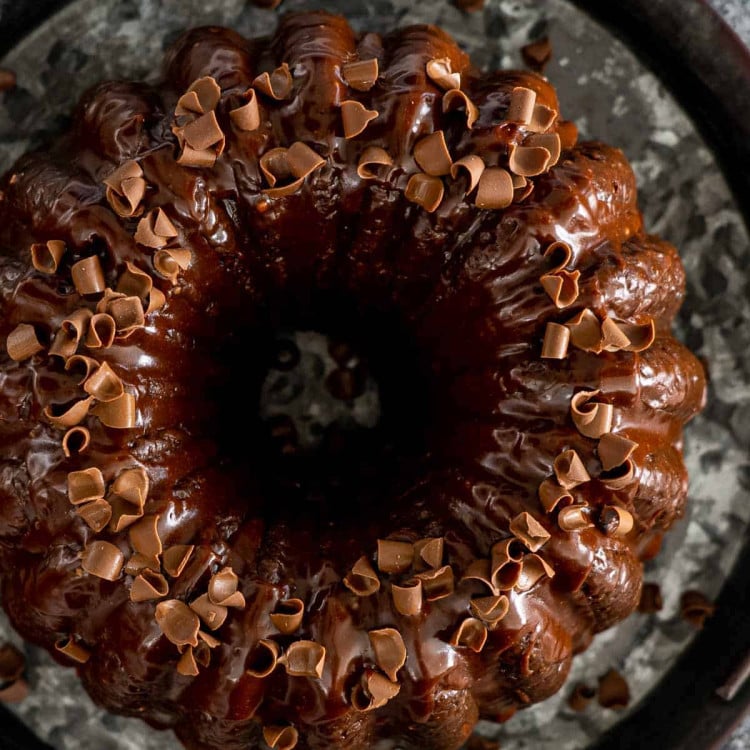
(448, 307)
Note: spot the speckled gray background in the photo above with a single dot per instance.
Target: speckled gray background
(683, 196)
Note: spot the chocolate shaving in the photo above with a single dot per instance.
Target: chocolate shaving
(591, 418)
(615, 450)
(72, 330)
(132, 485)
(178, 622)
(479, 570)
(394, 556)
(425, 191)
(190, 157)
(619, 477)
(374, 691)
(490, 609)
(559, 253)
(631, 337)
(574, 518)
(212, 615)
(432, 155)
(537, 54)
(137, 563)
(72, 650)
(103, 560)
(533, 569)
(408, 599)
(356, 117)
(187, 665)
(22, 342)
(585, 331)
(281, 738)
(613, 691)
(549, 141)
(474, 167)
(285, 190)
(471, 633)
(362, 580)
(651, 600)
(155, 229)
(134, 282)
(615, 521)
(203, 133)
(441, 72)
(169, 262)
(521, 106)
(495, 189)
(562, 287)
(247, 116)
(123, 514)
(126, 189)
(529, 161)
(127, 312)
(176, 558)
(374, 156)
(613, 339)
(569, 470)
(361, 75)
(209, 640)
(149, 585)
(96, 514)
(46, 257)
(543, 119)
(144, 536)
(552, 494)
(277, 85)
(526, 528)
(580, 697)
(85, 485)
(263, 659)
(70, 417)
(304, 659)
(556, 341)
(390, 651)
(695, 608)
(75, 441)
(89, 365)
(303, 160)
(505, 569)
(428, 552)
(455, 100)
(202, 96)
(288, 615)
(101, 332)
(437, 584)
(222, 589)
(104, 384)
(88, 277)
(119, 414)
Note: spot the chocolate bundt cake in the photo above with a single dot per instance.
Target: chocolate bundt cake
(395, 584)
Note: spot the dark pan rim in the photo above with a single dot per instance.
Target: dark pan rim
(706, 67)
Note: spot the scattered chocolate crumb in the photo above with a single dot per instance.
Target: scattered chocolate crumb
(651, 600)
(470, 6)
(537, 54)
(614, 692)
(581, 696)
(695, 608)
(7, 79)
(481, 743)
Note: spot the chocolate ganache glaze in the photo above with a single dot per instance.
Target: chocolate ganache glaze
(399, 583)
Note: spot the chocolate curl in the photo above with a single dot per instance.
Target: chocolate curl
(581, 696)
(505, 567)
(615, 521)
(178, 622)
(542, 119)
(88, 277)
(408, 599)
(374, 156)
(495, 189)
(96, 515)
(373, 691)
(479, 570)
(569, 470)
(247, 117)
(474, 167)
(212, 615)
(490, 609)
(144, 536)
(651, 600)
(552, 494)
(521, 107)
(393, 556)
(390, 651)
(281, 738)
(148, 585)
(303, 160)
(585, 331)
(615, 450)
(155, 229)
(176, 558)
(119, 414)
(203, 133)
(549, 141)
(22, 343)
(277, 85)
(137, 563)
(556, 341)
(103, 560)
(574, 518)
(613, 339)
(222, 589)
(695, 608)
(187, 665)
(132, 485)
(533, 569)
(425, 191)
(75, 441)
(134, 282)
(428, 552)
(356, 117)
(471, 633)
(126, 189)
(209, 641)
(85, 485)
(72, 650)
(619, 477)
(437, 584)
(89, 365)
(169, 262)
(562, 287)
(263, 659)
(455, 100)
(46, 257)
(362, 580)
(127, 312)
(361, 75)
(613, 691)
(631, 337)
(71, 417)
(72, 330)
(123, 514)
(285, 190)
(101, 332)
(287, 618)
(432, 155)
(104, 385)
(202, 96)
(529, 161)
(441, 72)
(559, 253)
(304, 659)
(526, 528)
(591, 418)
(522, 188)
